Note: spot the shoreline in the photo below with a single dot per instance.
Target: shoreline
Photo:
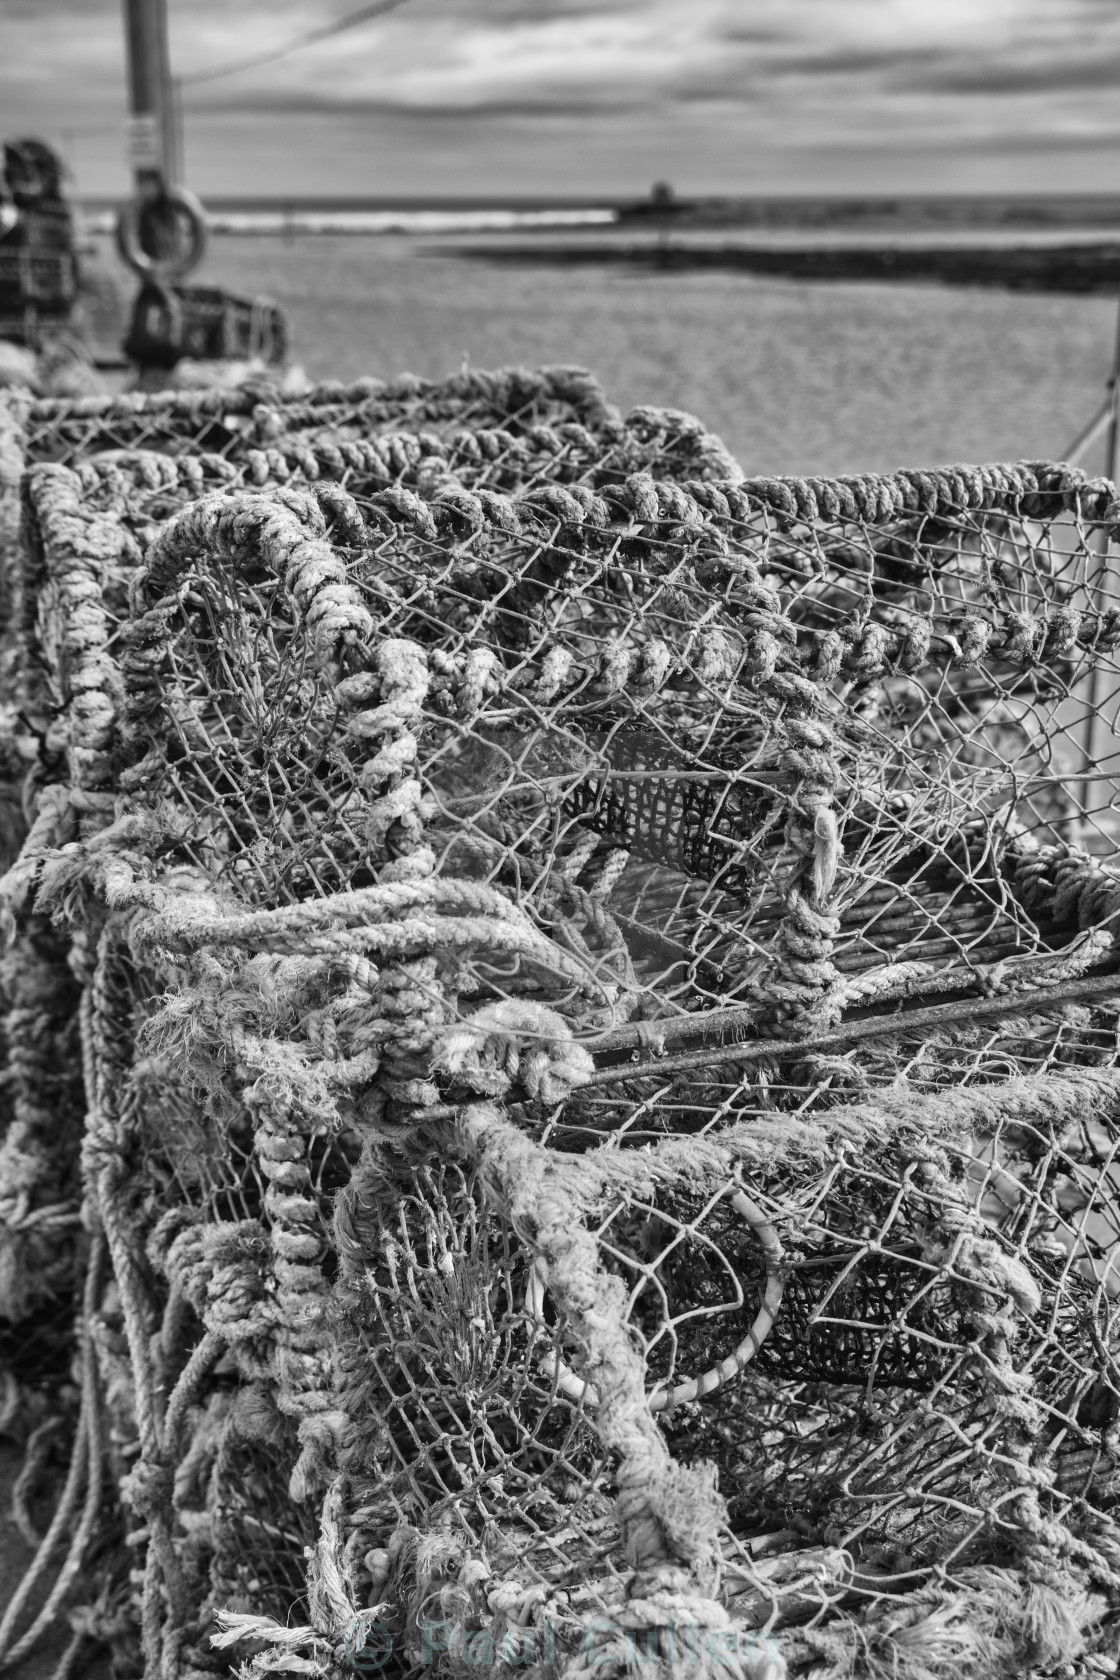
(1083, 269)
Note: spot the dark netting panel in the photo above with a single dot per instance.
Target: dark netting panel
(595, 997)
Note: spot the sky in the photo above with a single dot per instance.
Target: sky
(594, 98)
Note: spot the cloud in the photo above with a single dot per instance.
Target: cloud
(749, 34)
(40, 11)
(793, 90)
(1039, 75)
(542, 106)
(631, 55)
(489, 55)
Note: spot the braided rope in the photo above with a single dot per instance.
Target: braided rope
(503, 391)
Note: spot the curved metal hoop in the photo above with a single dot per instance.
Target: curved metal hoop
(133, 253)
(577, 1390)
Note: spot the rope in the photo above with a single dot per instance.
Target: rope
(508, 859)
(86, 1462)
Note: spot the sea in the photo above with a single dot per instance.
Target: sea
(1019, 219)
(319, 216)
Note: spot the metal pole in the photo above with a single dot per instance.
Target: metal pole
(175, 101)
(1091, 735)
(146, 41)
(1110, 442)
(1088, 434)
(168, 126)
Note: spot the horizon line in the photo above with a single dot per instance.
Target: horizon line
(281, 202)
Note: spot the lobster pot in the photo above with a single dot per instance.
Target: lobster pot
(45, 226)
(630, 714)
(262, 432)
(141, 486)
(214, 421)
(116, 502)
(204, 323)
(599, 1053)
(511, 429)
(37, 293)
(38, 275)
(40, 280)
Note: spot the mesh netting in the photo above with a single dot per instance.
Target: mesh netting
(594, 992)
(139, 457)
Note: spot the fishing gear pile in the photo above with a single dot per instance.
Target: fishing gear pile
(42, 343)
(38, 264)
(561, 1035)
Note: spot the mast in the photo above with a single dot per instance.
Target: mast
(152, 135)
(161, 233)
(1094, 730)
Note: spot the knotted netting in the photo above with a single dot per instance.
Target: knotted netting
(598, 1066)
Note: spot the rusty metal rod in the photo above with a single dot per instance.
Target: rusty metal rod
(896, 1025)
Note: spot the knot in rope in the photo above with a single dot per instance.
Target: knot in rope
(516, 1043)
(148, 1487)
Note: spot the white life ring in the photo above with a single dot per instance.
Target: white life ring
(133, 253)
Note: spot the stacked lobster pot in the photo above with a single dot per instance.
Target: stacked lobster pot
(580, 995)
(138, 457)
(38, 264)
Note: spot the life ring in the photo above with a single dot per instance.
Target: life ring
(186, 209)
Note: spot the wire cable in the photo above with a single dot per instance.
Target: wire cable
(351, 21)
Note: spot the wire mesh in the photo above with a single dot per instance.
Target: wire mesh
(214, 420)
(140, 457)
(597, 1006)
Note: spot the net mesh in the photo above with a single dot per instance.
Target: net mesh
(583, 994)
(140, 457)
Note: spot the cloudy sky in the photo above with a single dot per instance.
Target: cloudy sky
(595, 97)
